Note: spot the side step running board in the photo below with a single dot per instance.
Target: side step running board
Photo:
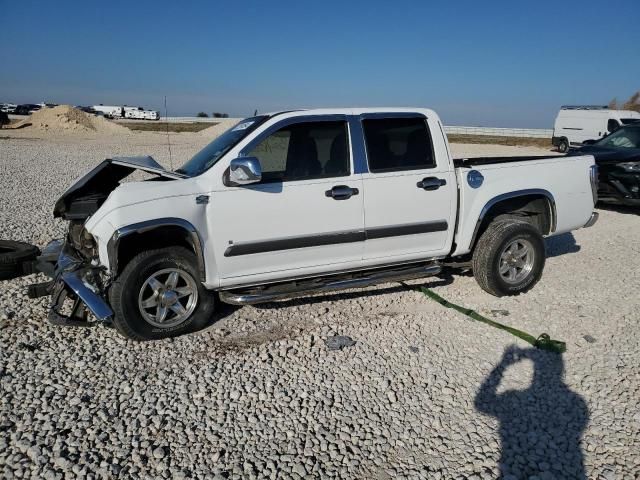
(327, 284)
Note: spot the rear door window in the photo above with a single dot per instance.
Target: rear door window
(396, 144)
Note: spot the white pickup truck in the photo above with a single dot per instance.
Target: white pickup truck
(300, 202)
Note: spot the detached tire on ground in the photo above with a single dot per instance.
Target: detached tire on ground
(13, 255)
(159, 295)
(509, 258)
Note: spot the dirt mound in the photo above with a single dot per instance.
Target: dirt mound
(219, 128)
(66, 119)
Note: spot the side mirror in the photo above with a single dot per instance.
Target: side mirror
(244, 171)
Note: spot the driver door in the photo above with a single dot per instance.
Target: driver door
(306, 214)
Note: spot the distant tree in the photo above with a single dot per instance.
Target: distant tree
(613, 104)
(220, 115)
(225, 115)
(202, 115)
(633, 103)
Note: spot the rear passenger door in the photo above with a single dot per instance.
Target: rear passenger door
(409, 195)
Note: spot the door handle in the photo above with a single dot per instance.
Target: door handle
(341, 192)
(431, 183)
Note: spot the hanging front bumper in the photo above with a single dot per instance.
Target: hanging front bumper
(79, 281)
(74, 279)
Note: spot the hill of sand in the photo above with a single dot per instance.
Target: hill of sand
(66, 119)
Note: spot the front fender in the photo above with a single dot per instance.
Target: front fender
(148, 226)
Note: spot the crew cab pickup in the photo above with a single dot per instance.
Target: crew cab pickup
(300, 202)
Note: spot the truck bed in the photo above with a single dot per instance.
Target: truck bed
(565, 181)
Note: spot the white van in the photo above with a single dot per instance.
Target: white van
(577, 123)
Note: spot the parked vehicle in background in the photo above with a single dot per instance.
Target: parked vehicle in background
(618, 159)
(138, 113)
(110, 111)
(125, 111)
(297, 202)
(27, 109)
(576, 123)
(8, 107)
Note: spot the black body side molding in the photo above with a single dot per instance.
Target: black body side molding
(334, 238)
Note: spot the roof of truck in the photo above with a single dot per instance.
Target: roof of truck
(355, 111)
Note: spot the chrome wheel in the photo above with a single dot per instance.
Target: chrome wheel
(168, 297)
(516, 261)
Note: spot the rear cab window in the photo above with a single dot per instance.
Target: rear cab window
(398, 144)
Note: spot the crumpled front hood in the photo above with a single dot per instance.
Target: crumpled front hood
(88, 193)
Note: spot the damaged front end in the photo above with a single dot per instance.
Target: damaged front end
(79, 288)
(79, 284)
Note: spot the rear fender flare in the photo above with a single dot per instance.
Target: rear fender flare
(551, 205)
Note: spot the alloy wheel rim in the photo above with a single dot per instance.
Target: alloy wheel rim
(516, 261)
(168, 297)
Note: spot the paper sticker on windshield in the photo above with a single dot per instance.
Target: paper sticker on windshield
(242, 126)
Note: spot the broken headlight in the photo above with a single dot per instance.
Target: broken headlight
(82, 240)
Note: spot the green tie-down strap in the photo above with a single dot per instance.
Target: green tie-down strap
(543, 342)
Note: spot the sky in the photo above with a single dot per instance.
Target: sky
(486, 63)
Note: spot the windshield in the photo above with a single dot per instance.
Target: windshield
(625, 137)
(209, 155)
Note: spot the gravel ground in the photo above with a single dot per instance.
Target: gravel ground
(423, 393)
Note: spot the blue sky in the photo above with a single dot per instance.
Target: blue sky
(501, 63)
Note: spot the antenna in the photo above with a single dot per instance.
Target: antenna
(166, 121)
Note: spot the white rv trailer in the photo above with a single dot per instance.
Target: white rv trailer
(139, 113)
(110, 111)
(125, 111)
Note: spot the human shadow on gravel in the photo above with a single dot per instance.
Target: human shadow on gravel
(561, 245)
(540, 427)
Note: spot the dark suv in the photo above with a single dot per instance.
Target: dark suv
(618, 158)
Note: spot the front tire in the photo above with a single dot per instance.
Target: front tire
(159, 295)
(509, 258)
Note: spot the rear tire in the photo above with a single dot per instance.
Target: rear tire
(509, 258)
(563, 146)
(159, 295)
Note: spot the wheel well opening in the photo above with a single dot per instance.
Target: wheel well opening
(534, 209)
(167, 236)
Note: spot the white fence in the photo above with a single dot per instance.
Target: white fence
(497, 132)
(501, 132)
(194, 119)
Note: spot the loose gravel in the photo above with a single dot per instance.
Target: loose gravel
(422, 393)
